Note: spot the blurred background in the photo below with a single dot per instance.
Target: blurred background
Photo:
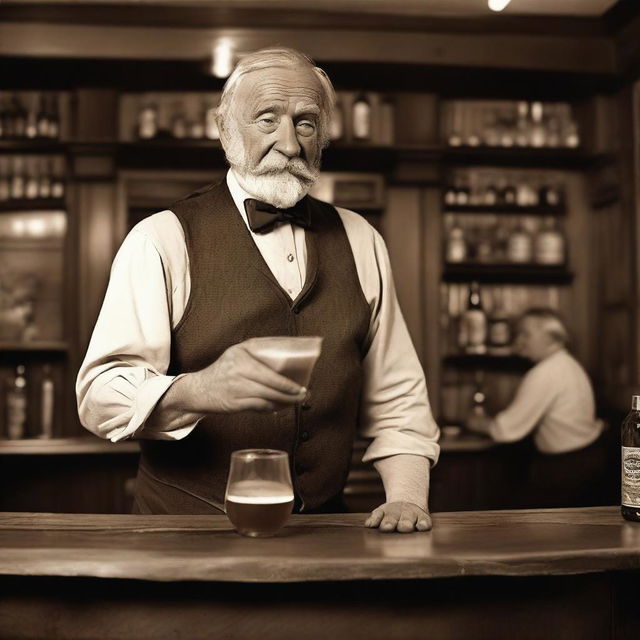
(495, 145)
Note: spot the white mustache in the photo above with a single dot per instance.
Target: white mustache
(277, 163)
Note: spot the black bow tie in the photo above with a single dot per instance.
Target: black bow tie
(263, 216)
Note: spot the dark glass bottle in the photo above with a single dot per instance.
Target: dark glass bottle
(630, 440)
(473, 334)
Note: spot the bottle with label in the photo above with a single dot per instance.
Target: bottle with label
(473, 324)
(456, 245)
(630, 440)
(16, 403)
(47, 398)
(519, 245)
(550, 246)
(361, 118)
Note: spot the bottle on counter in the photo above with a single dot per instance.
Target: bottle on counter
(473, 323)
(630, 440)
(16, 404)
(47, 399)
(361, 118)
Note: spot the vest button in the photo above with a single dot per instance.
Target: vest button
(296, 310)
(304, 436)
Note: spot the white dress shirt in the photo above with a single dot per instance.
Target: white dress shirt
(556, 399)
(123, 375)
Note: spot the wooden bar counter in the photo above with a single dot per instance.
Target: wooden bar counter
(569, 573)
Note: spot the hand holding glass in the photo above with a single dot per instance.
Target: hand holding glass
(259, 495)
(292, 356)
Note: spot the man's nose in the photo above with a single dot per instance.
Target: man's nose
(287, 141)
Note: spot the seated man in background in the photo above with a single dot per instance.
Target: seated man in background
(555, 404)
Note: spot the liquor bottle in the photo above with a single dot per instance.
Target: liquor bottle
(450, 196)
(473, 325)
(522, 137)
(19, 117)
(44, 179)
(31, 180)
(42, 118)
(538, 132)
(47, 398)
(57, 178)
(519, 245)
(499, 327)
(179, 127)
(549, 246)
(490, 195)
(54, 117)
(31, 120)
(630, 440)
(456, 245)
(361, 118)
(336, 125)
(148, 121)
(16, 190)
(16, 403)
(454, 139)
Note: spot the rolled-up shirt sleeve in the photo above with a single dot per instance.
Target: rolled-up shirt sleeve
(395, 411)
(123, 375)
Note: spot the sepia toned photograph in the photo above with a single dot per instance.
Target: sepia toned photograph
(319, 319)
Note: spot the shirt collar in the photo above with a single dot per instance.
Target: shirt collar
(238, 194)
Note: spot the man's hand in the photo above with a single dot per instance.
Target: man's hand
(403, 517)
(238, 381)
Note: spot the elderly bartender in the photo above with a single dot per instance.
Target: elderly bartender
(555, 405)
(171, 360)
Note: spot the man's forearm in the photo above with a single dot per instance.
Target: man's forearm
(176, 407)
(405, 478)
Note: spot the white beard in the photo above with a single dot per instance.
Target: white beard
(274, 179)
(282, 190)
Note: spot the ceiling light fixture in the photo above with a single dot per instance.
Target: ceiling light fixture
(222, 58)
(498, 5)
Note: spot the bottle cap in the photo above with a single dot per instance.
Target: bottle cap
(635, 403)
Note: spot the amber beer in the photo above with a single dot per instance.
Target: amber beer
(258, 509)
(259, 495)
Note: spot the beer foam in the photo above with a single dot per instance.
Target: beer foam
(276, 499)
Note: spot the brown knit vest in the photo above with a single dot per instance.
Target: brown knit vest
(234, 296)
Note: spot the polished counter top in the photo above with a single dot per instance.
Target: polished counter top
(318, 547)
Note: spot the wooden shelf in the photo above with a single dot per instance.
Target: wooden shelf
(48, 346)
(506, 209)
(66, 446)
(33, 145)
(35, 204)
(506, 273)
(486, 361)
(557, 158)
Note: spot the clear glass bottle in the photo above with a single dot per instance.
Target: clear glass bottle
(473, 326)
(361, 118)
(549, 246)
(456, 244)
(630, 441)
(520, 245)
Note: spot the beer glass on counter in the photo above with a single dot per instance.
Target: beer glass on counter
(259, 495)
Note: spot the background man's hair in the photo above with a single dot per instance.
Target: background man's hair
(551, 321)
(280, 57)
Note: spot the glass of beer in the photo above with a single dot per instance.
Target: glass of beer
(292, 356)
(259, 493)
